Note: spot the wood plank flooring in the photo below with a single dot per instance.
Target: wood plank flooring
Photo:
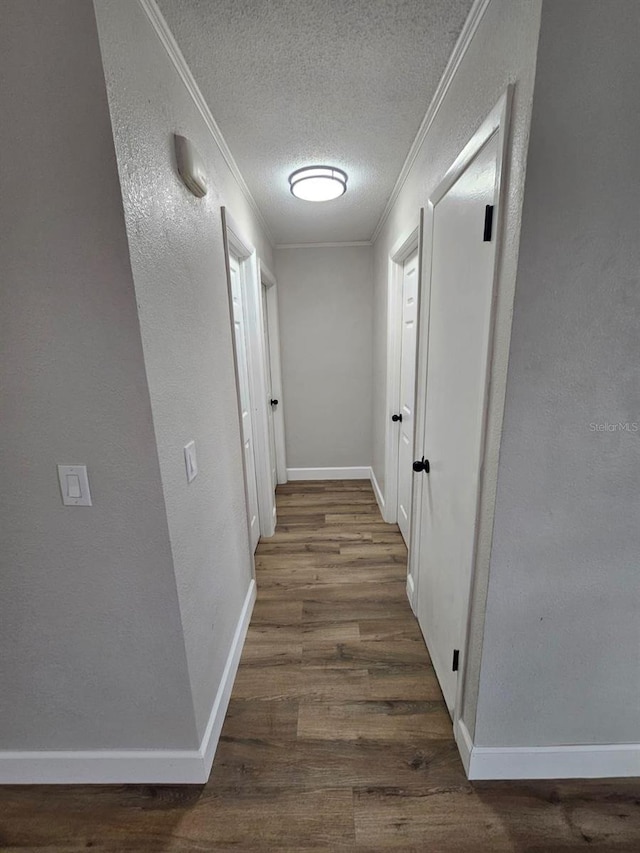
(336, 737)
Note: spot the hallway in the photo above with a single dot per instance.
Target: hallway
(336, 737)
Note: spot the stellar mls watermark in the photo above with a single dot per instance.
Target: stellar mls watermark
(620, 426)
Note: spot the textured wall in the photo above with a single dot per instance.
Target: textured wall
(179, 273)
(503, 50)
(325, 300)
(560, 662)
(90, 636)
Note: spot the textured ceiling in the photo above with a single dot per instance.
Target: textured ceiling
(296, 82)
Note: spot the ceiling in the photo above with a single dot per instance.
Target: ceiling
(292, 83)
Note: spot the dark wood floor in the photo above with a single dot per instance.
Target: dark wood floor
(337, 737)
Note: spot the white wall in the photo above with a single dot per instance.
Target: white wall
(91, 651)
(560, 662)
(179, 274)
(325, 300)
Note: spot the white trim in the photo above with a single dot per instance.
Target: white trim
(580, 761)
(258, 382)
(600, 761)
(360, 473)
(323, 245)
(103, 767)
(135, 766)
(462, 45)
(377, 491)
(239, 246)
(464, 743)
(266, 276)
(221, 703)
(405, 245)
(238, 243)
(269, 281)
(169, 43)
(402, 249)
(234, 245)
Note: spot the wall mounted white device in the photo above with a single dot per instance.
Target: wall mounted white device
(190, 166)
(74, 485)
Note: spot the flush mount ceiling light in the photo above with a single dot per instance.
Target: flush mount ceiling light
(318, 183)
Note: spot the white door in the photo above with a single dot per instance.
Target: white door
(271, 403)
(245, 402)
(407, 392)
(462, 274)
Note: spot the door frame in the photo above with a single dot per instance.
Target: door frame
(402, 249)
(269, 281)
(496, 122)
(236, 244)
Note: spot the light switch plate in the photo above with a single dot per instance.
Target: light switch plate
(190, 461)
(74, 485)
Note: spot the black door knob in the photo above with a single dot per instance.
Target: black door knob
(396, 418)
(274, 402)
(421, 465)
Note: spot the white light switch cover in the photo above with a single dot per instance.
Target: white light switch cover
(74, 485)
(190, 461)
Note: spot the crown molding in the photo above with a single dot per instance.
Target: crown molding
(471, 24)
(169, 43)
(323, 245)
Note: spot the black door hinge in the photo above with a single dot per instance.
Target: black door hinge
(488, 223)
(456, 660)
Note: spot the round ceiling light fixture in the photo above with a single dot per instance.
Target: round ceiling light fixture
(318, 183)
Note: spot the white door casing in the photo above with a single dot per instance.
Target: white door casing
(405, 427)
(454, 373)
(272, 340)
(236, 246)
(402, 250)
(244, 394)
(271, 401)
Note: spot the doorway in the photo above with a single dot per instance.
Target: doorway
(402, 328)
(405, 417)
(250, 349)
(244, 398)
(273, 367)
(272, 402)
(454, 372)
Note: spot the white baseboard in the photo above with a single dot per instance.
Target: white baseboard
(377, 491)
(150, 766)
(465, 744)
(362, 473)
(102, 767)
(221, 702)
(584, 761)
